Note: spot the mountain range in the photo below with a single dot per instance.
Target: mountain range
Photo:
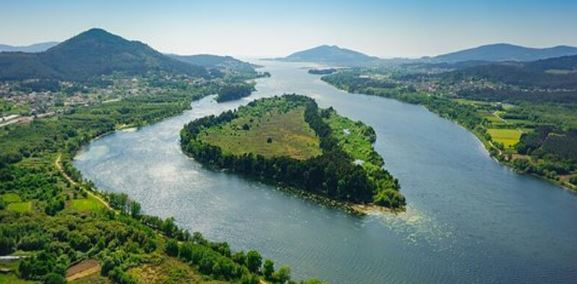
(503, 52)
(37, 47)
(334, 55)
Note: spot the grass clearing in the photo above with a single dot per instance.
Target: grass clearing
(352, 137)
(11, 197)
(507, 137)
(290, 135)
(10, 278)
(86, 204)
(21, 207)
(168, 271)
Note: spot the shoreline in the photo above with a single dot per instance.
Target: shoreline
(562, 184)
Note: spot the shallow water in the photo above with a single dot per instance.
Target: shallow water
(469, 219)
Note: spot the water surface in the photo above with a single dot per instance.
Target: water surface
(469, 219)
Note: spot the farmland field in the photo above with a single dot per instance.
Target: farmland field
(508, 137)
(86, 204)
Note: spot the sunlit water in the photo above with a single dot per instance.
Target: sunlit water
(469, 220)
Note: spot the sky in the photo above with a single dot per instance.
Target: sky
(385, 28)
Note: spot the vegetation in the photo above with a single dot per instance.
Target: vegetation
(231, 92)
(534, 135)
(333, 173)
(325, 71)
(58, 219)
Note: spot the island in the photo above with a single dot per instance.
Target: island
(322, 71)
(290, 142)
(236, 91)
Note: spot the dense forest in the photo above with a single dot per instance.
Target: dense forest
(236, 91)
(332, 174)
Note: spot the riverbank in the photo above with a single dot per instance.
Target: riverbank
(463, 113)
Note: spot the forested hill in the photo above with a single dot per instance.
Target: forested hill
(227, 64)
(553, 73)
(332, 55)
(90, 54)
(505, 52)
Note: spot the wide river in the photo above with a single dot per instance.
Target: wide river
(469, 219)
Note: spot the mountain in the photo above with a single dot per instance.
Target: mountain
(223, 63)
(91, 54)
(38, 47)
(504, 52)
(331, 55)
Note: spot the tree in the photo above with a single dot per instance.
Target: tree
(135, 209)
(53, 278)
(171, 247)
(268, 269)
(253, 261)
(6, 245)
(283, 275)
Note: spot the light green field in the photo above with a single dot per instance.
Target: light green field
(507, 137)
(290, 133)
(21, 207)
(492, 118)
(351, 137)
(12, 279)
(11, 197)
(86, 204)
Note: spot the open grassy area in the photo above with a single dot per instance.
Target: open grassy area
(507, 137)
(167, 270)
(12, 279)
(86, 204)
(353, 138)
(11, 198)
(275, 133)
(21, 207)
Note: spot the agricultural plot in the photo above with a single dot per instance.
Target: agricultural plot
(507, 137)
(86, 204)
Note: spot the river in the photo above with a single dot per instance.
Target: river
(469, 219)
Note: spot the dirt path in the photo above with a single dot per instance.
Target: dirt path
(82, 269)
(73, 182)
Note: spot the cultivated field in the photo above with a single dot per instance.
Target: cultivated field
(507, 137)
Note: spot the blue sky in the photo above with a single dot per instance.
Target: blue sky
(274, 28)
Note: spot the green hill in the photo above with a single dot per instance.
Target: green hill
(88, 55)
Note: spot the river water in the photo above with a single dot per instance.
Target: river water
(469, 219)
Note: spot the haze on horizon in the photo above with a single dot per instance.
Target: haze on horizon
(394, 28)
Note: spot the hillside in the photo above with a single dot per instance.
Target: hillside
(332, 55)
(90, 54)
(37, 47)
(504, 52)
(553, 73)
(222, 63)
